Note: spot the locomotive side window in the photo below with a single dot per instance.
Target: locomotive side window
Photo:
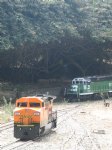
(73, 82)
(33, 104)
(22, 104)
(77, 82)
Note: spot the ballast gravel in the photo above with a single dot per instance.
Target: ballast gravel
(86, 127)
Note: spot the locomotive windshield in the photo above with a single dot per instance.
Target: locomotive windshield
(34, 104)
(22, 104)
(81, 81)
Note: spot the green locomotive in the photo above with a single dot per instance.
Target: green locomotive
(89, 88)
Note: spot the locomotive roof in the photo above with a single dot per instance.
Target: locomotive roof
(100, 78)
(82, 79)
(39, 97)
(94, 78)
(29, 97)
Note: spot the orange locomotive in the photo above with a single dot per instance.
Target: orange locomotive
(32, 114)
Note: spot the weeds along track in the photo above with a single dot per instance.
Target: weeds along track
(6, 126)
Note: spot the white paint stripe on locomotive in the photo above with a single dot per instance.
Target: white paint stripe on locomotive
(110, 91)
(85, 93)
(31, 125)
(21, 108)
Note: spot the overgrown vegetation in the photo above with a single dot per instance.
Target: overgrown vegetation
(54, 39)
(7, 111)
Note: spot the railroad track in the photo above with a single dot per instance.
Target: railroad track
(79, 140)
(83, 140)
(21, 144)
(86, 139)
(9, 145)
(63, 112)
(6, 126)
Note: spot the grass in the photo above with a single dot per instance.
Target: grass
(6, 111)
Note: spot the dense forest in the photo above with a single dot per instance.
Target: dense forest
(44, 39)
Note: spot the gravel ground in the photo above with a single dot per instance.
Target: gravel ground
(86, 127)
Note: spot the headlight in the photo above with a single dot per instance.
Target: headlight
(17, 113)
(36, 113)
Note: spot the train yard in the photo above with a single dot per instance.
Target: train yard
(80, 126)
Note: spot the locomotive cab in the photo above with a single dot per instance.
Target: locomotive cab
(31, 115)
(84, 81)
(79, 87)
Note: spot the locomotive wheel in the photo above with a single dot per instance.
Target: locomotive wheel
(42, 130)
(39, 132)
(54, 124)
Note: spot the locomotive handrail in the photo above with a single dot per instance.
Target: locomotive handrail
(48, 97)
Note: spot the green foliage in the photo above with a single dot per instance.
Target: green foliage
(54, 38)
(7, 106)
(49, 20)
(7, 111)
(44, 21)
